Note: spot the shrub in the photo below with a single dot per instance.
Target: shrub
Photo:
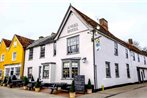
(38, 84)
(5, 80)
(25, 81)
(89, 86)
(72, 87)
(9, 80)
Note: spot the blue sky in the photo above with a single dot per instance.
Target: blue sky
(34, 18)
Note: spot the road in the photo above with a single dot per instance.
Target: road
(130, 91)
(18, 93)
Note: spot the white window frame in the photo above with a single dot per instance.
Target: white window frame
(13, 59)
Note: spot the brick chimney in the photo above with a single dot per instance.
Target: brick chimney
(104, 23)
(130, 41)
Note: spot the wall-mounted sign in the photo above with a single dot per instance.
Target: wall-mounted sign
(72, 27)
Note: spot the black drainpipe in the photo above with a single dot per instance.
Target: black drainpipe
(94, 66)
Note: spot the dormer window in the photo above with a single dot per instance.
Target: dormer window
(15, 44)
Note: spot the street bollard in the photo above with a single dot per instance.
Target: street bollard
(102, 87)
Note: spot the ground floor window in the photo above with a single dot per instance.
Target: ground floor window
(108, 72)
(29, 72)
(0, 73)
(128, 71)
(7, 72)
(46, 71)
(116, 70)
(70, 69)
(17, 71)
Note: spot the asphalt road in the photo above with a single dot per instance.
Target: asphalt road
(17, 93)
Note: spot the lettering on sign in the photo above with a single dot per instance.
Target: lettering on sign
(79, 81)
(72, 28)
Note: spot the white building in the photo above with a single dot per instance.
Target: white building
(85, 47)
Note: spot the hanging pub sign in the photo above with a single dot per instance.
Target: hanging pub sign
(97, 44)
(79, 82)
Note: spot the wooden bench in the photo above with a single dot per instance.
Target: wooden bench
(55, 86)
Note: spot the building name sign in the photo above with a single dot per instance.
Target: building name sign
(72, 27)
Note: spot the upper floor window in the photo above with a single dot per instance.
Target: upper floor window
(54, 49)
(2, 57)
(127, 53)
(13, 56)
(116, 48)
(42, 51)
(116, 70)
(133, 54)
(108, 72)
(144, 60)
(138, 58)
(30, 53)
(73, 45)
(128, 71)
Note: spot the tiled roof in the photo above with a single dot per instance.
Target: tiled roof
(42, 41)
(94, 24)
(24, 41)
(7, 42)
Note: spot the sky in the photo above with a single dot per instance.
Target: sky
(34, 18)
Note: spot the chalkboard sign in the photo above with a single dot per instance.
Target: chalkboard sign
(79, 82)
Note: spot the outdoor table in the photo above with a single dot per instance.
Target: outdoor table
(55, 86)
(16, 83)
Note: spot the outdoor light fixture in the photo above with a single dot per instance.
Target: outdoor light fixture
(84, 60)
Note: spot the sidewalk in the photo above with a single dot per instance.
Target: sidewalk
(114, 91)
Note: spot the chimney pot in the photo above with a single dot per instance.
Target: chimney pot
(130, 41)
(104, 23)
(41, 37)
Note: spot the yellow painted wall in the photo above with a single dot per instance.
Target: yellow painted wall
(3, 50)
(19, 54)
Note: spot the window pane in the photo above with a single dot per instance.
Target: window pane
(74, 69)
(66, 66)
(73, 45)
(45, 71)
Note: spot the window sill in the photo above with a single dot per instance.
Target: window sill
(66, 78)
(108, 77)
(42, 57)
(73, 53)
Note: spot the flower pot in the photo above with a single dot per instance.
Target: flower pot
(89, 91)
(24, 87)
(72, 94)
(37, 89)
(4, 84)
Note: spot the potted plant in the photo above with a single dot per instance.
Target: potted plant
(89, 87)
(37, 85)
(25, 82)
(5, 81)
(72, 93)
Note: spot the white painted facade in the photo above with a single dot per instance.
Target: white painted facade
(105, 53)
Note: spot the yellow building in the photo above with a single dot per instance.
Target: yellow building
(14, 59)
(4, 46)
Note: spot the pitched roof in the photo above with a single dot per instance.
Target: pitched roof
(94, 24)
(24, 41)
(7, 42)
(42, 41)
